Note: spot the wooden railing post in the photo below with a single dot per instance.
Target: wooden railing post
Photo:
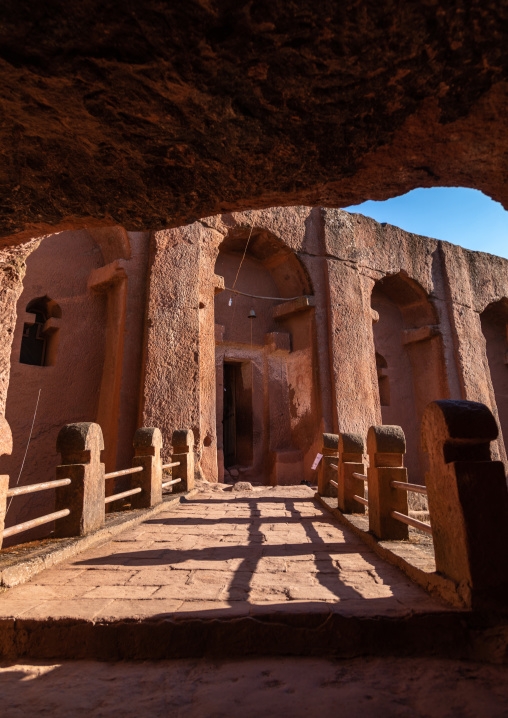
(330, 453)
(386, 446)
(80, 446)
(147, 453)
(183, 451)
(468, 498)
(5, 448)
(351, 449)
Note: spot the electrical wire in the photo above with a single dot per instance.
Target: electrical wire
(273, 299)
(26, 450)
(243, 257)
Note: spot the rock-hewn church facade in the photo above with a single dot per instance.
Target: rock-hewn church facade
(258, 330)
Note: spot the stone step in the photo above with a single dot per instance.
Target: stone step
(306, 629)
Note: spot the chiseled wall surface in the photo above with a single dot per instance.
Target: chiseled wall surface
(494, 327)
(69, 390)
(473, 281)
(169, 350)
(459, 283)
(344, 256)
(136, 269)
(175, 347)
(60, 267)
(12, 272)
(180, 376)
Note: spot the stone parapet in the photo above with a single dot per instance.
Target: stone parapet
(468, 499)
(386, 446)
(351, 450)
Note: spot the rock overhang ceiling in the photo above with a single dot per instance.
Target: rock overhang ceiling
(152, 114)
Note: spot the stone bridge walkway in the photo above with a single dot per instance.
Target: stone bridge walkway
(266, 576)
(223, 554)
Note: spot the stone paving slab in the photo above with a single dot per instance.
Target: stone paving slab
(267, 572)
(24, 561)
(214, 551)
(414, 557)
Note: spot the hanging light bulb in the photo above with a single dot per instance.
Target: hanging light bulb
(251, 315)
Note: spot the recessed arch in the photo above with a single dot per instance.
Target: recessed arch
(409, 360)
(45, 304)
(410, 297)
(277, 258)
(267, 389)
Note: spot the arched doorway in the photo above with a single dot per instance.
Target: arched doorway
(268, 403)
(409, 360)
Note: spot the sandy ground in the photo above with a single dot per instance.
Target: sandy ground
(370, 688)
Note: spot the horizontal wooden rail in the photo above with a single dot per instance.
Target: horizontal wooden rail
(124, 472)
(417, 488)
(170, 483)
(411, 522)
(114, 497)
(359, 476)
(361, 500)
(334, 466)
(32, 488)
(334, 483)
(168, 466)
(35, 522)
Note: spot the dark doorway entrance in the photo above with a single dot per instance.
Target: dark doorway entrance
(237, 418)
(229, 415)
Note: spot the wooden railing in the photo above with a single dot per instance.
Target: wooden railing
(466, 491)
(166, 484)
(80, 486)
(47, 518)
(123, 494)
(410, 520)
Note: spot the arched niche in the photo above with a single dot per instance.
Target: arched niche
(39, 342)
(494, 321)
(409, 360)
(268, 362)
(274, 255)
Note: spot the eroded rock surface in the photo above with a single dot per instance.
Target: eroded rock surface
(152, 115)
(12, 271)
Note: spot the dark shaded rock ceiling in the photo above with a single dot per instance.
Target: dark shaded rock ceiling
(151, 114)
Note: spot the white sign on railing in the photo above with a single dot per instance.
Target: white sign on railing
(316, 461)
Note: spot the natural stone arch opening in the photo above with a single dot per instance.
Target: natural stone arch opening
(335, 106)
(494, 321)
(409, 360)
(268, 418)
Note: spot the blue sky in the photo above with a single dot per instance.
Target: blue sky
(458, 215)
